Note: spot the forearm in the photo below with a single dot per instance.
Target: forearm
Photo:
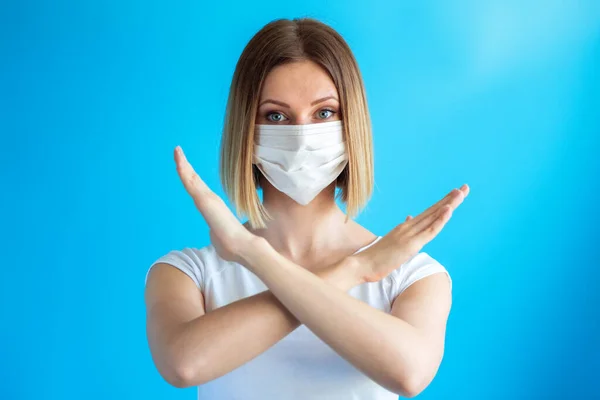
(217, 342)
(385, 348)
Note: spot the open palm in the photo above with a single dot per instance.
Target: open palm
(227, 233)
(407, 239)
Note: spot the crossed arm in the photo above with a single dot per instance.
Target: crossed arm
(401, 351)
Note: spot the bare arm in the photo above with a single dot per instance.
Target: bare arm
(400, 352)
(191, 347)
(425, 305)
(393, 352)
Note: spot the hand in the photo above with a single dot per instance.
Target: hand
(407, 239)
(229, 237)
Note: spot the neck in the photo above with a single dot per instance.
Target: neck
(296, 230)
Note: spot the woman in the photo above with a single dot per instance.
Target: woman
(300, 302)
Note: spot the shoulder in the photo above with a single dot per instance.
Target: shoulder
(198, 263)
(419, 266)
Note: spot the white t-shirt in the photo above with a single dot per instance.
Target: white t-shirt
(300, 366)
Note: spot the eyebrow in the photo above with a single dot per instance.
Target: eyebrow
(282, 104)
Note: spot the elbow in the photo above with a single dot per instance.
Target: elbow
(416, 373)
(183, 374)
(411, 383)
(411, 388)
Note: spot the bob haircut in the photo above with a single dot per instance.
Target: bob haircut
(279, 42)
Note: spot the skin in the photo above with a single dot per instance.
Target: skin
(305, 258)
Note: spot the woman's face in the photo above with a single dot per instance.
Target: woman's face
(298, 93)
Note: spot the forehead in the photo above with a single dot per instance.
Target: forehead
(299, 82)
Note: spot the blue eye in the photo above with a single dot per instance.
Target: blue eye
(276, 116)
(325, 113)
(279, 117)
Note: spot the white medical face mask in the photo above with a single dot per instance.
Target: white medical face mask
(300, 160)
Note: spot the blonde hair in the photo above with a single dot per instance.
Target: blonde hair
(283, 41)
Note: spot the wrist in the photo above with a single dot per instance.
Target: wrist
(344, 275)
(354, 266)
(252, 249)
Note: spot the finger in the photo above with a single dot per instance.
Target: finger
(203, 197)
(450, 198)
(452, 195)
(211, 206)
(441, 218)
(455, 199)
(424, 222)
(408, 218)
(190, 179)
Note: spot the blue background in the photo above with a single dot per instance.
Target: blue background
(502, 95)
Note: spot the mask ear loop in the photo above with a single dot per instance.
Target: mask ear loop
(256, 174)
